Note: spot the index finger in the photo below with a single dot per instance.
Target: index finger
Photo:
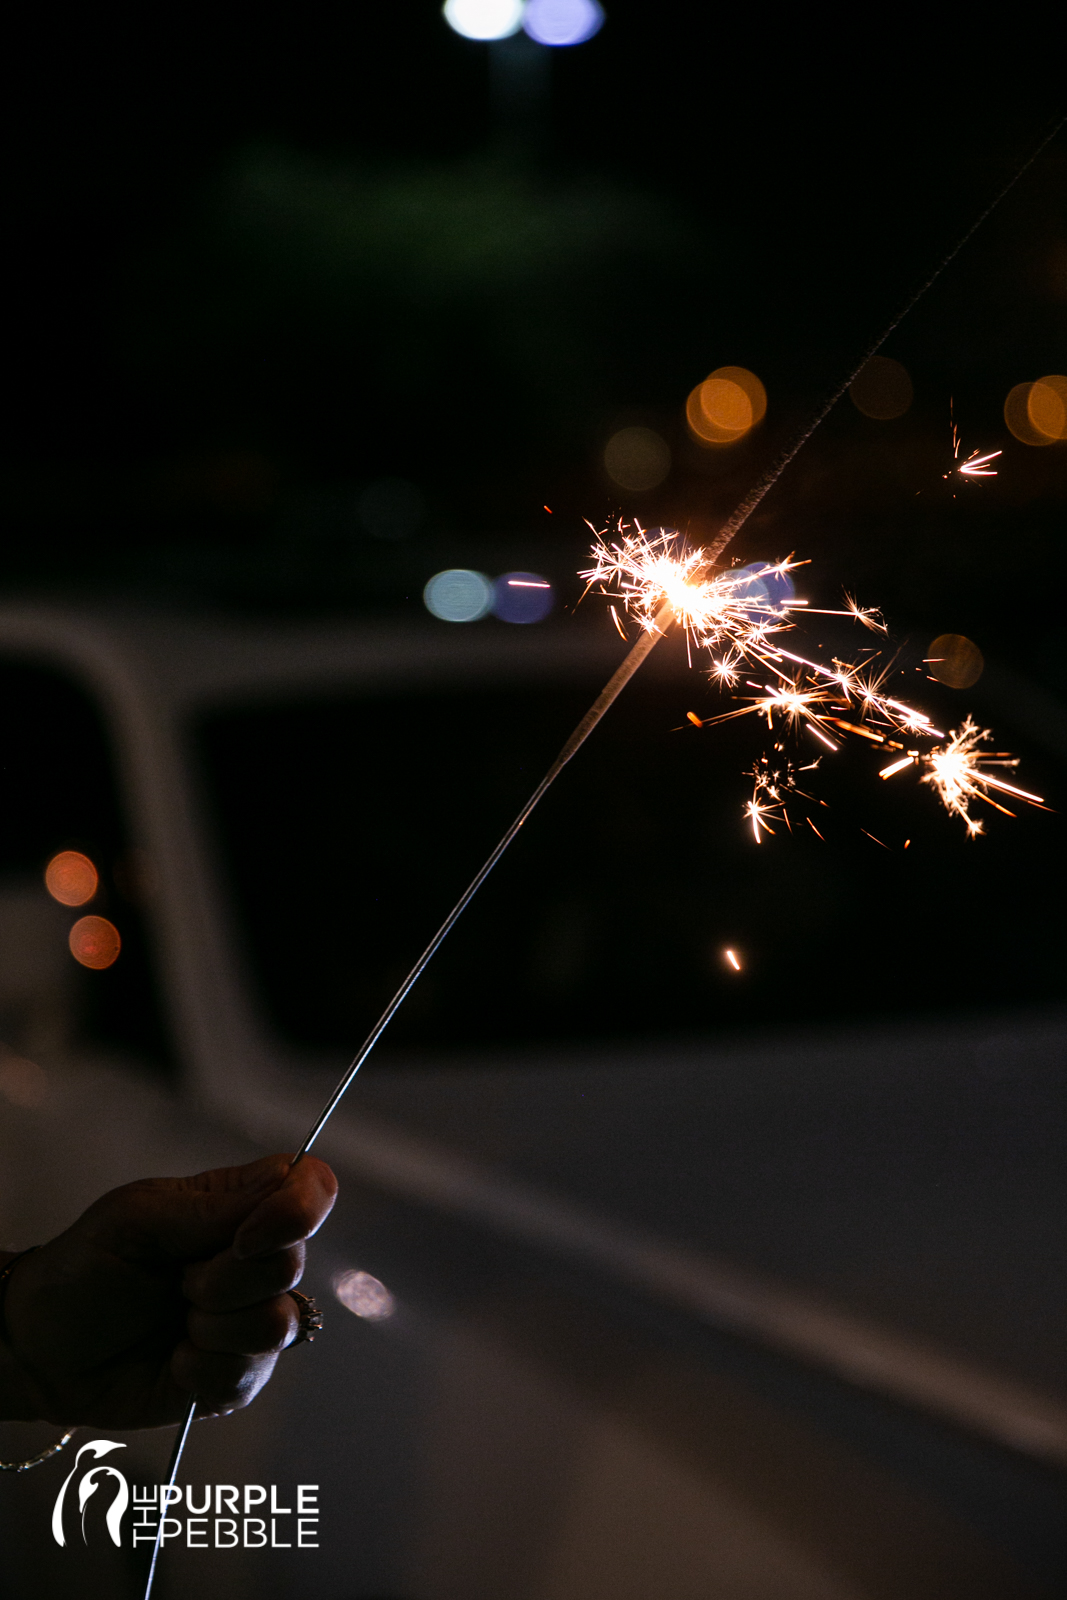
(294, 1211)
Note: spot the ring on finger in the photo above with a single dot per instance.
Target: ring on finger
(310, 1322)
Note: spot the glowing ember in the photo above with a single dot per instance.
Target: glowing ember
(959, 771)
(975, 465)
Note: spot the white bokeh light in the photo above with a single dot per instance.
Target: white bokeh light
(484, 19)
(562, 22)
(364, 1296)
(458, 595)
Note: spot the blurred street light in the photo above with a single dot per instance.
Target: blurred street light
(562, 22)
(557, 23)
(458, 595)
(484, 19)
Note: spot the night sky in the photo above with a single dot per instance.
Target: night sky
(261, 262)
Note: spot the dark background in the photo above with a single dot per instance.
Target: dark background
(259, 263)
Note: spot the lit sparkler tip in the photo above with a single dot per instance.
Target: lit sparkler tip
(655, 577)
(643, 571)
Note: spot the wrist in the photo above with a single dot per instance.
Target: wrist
(18, 1402)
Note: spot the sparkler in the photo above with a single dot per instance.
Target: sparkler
(715, 613)
(732, 609)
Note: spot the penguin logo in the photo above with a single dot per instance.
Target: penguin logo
(88, 1487)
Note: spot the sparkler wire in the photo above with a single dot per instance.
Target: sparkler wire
(164, 1493)
(607, 696)
(612, 689)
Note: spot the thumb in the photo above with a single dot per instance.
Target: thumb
(182, 1218)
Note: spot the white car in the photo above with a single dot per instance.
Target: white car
(618, 1304)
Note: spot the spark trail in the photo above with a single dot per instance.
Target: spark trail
(730, 613)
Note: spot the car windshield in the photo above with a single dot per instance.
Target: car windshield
(635, 904)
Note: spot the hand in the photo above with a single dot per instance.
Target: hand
(164, 1288)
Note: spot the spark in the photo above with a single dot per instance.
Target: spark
(772, 787)
(655, 576)
(896, 766)
(757, 814)
(646, 571)
(726, 668)
(869, 616)
(732, 959)
(958, 770)
(975, 465)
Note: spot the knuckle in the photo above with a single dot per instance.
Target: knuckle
(282, 1321)
(291, 1267)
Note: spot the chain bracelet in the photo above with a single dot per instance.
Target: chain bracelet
(52, 1449)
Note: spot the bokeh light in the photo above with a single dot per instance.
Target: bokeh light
(637, 458)
(756, 584)
(484, 19)
(458, 595)
(71, 878)
(955, 660)
(882, 389)
(95, 942)
(364, 1296)
(522, 597)
(723, 408)
(22, 1082)
(562, 22)
(1046, 406)
(1029, 416)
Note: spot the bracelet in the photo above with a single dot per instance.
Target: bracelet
(52, 1449)
(46, 1454)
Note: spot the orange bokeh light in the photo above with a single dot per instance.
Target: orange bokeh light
(726, 405)
(71, 878)
(1046, 406)
(882, 389)
(1036, 413)
(95, 942)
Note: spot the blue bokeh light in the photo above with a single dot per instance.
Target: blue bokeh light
(458, 595)
(562, 22)
(756, 584)
(522, 597)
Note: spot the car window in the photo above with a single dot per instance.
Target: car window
(347, 828)
(60, 804)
